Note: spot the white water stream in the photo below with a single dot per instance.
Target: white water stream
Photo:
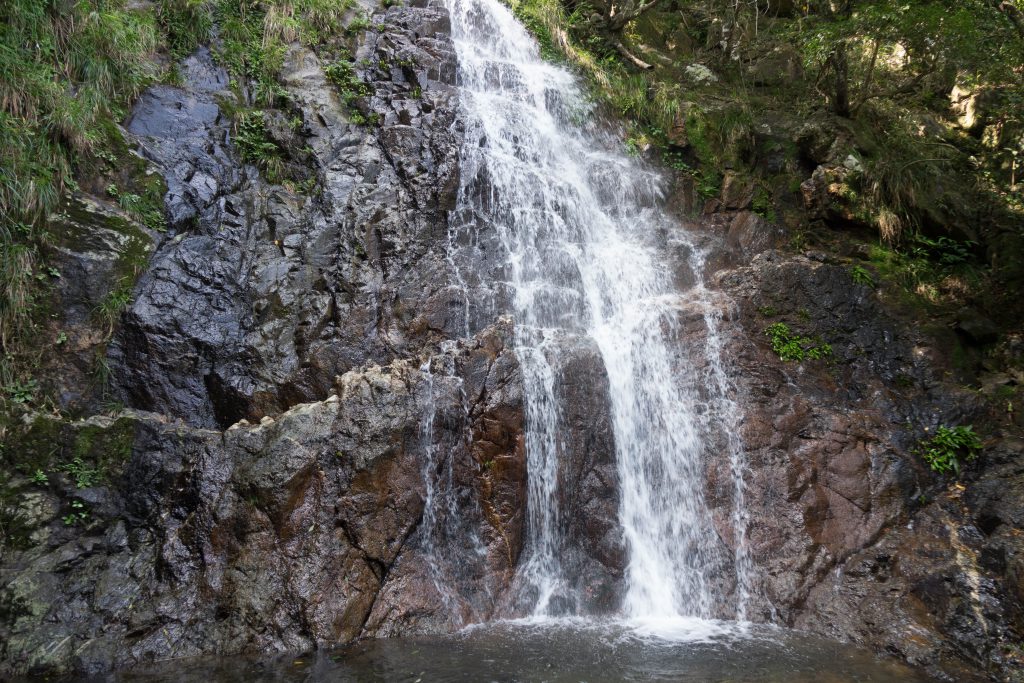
(586, 245)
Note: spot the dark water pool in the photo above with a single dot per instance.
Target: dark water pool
(560, 652)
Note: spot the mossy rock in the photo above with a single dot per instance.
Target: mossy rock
(47, 444)
(98, 251)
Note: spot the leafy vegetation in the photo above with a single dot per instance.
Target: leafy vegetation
(79, 514)
(66, 71)
(69, 71)
(254, 37)
(930, 272)
(256, 146)
(185, 23)
(342, 74)
(793, 347)
(949, 447)
(148, 209)
(81, 473)
(910, 111)
(21, 392)
(862, 276)
(111, 306)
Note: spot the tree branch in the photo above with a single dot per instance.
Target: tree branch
(633, 59)
(617, 17)
(901, 90)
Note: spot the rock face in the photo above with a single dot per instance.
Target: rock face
(262, 295)
(850, 533)
(381, 464)
(308, 455)
(280, 536)
(324, 436)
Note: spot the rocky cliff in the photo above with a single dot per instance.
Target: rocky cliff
(312, 450)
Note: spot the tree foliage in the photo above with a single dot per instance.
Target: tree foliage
(867, 49)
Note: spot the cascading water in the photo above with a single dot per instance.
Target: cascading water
(584, 240)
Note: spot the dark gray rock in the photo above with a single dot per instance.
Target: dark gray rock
(185, 133)
(976, 327)
(297, 532)
(264, 295)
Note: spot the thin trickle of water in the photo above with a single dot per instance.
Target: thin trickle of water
(449, 544)
(727, 414)
(584, 240)
(437, 480)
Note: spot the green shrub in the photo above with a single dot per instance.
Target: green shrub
(949, 447)
(256, 147)
(254, 37)
(762, 204)
(862, 276)
(793, 347)
(185, 23)
(359, 23)
(148, 209)
(947, 253)
(351, 88)
(66, 72)
(250, 54)
(22, 392)
(110, 307)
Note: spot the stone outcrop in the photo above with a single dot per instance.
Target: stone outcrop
(176, 527)
(261, 295)
(302, 530)
(850, 533)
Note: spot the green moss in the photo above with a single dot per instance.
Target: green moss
(90, 454)
(32, 447)
(104, 449)
(960, 358)
(81, 223)
(15, 529)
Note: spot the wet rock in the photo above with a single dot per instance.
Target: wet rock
(595, 553)
(851, 535)
(276, 486)
(309, 524)
(781, 65)
(264, 295)
(737, 191)
(95, 253)
(184, 132)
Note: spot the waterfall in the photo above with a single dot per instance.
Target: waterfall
(583, 243)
